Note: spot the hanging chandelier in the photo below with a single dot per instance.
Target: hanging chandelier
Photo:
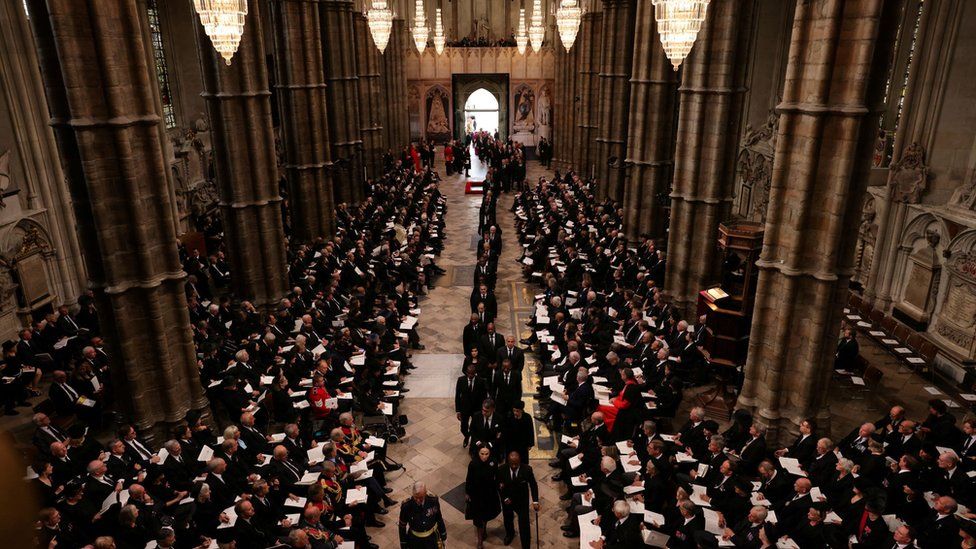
(420, 30)
(522, 36)
(380, 21)
(439, 39)
(678, 23)
(223, 21)
(537, 32)
(568, 18)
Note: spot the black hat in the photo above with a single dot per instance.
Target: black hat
(8, 345)
(875, 506)
(520, 405)
(710, 425)
(77, 431)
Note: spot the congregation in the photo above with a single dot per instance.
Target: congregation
(286, 458)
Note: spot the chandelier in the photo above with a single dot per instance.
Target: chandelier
(678, 22)
(537, 32)
(380, 21)
(522, 36)
(439, 38)
(568, 18)
(420, 30)
(223, 21)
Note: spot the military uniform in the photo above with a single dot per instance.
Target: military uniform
(421, 524)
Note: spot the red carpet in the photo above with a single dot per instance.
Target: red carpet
(473, 187)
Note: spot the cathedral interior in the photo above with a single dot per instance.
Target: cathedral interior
(272, 237)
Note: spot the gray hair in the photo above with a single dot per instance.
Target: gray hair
(418, 487)
(608, 463)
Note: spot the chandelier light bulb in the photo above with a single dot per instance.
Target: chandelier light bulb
(568, 19)
(223, 21)
(380, 21)
(537, 31)
(420, 31)
(439, 39)
(522, 36)
(678, 23)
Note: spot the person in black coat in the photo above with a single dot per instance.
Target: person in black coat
(623, 531)
(688, 521)
(822, 466)
(482, 295)
(472, 333)
(469, 393)
(847, 352)
(517, 356)
(753, 451)
(481, 492)
(518, 433)
(942, 529)
(506, 388)
(804, 446)
(485, 430)
(516, 483)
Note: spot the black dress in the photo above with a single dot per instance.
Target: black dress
(482, 490)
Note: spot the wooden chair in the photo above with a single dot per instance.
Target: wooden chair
(876, 316)
(888, 324)
(902, 332)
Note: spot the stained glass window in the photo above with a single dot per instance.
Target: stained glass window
(162, 71)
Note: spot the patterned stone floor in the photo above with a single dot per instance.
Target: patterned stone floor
(432, 449)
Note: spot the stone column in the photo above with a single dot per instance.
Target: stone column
(343, 95)
(938, 25)
(97, 71)
(239, 108)
(588, 41)
(839, 57)
(650, 145)
(394, 85)
(370, 99)
(561, 102)
(711, 98)
(304, 117)
(617, 54)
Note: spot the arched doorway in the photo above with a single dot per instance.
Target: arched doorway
(464, 86)
(481, 112)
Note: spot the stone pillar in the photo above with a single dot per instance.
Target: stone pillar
(926, 86)
(650, 144)
(564, 85)
(588, 41)
(304, 117)
(370, 99)
(394, 85)
(711, 98)
(239, 108)
(617, 54)
(343, 95)
(839, 57)
(97, 71)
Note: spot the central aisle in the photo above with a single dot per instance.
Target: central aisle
(432, 450)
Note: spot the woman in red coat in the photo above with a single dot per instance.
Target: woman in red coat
(449, 158)
(623, 413)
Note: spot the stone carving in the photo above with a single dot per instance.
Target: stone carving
(524, 110)
(438, 128)
(908, 178)
(867, 236)
(8, 288)
(755, 168)
(957, 317)
(964, 196)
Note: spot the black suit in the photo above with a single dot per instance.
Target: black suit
(506, 389)
(803, 449)
(515, 488)
(623, 535)
(941, 533)
(518, 435)
(485, 433)
(468, 396)
(517, 357)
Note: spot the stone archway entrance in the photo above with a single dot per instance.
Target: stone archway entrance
(465, 86)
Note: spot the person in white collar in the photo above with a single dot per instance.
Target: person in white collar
(903, 538)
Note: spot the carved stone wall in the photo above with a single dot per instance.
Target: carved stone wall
(754, 170)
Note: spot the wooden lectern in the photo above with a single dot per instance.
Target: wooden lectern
(728, 307)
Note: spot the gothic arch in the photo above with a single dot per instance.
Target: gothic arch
(436, 123)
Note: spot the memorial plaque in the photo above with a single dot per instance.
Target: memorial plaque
(960, 304)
